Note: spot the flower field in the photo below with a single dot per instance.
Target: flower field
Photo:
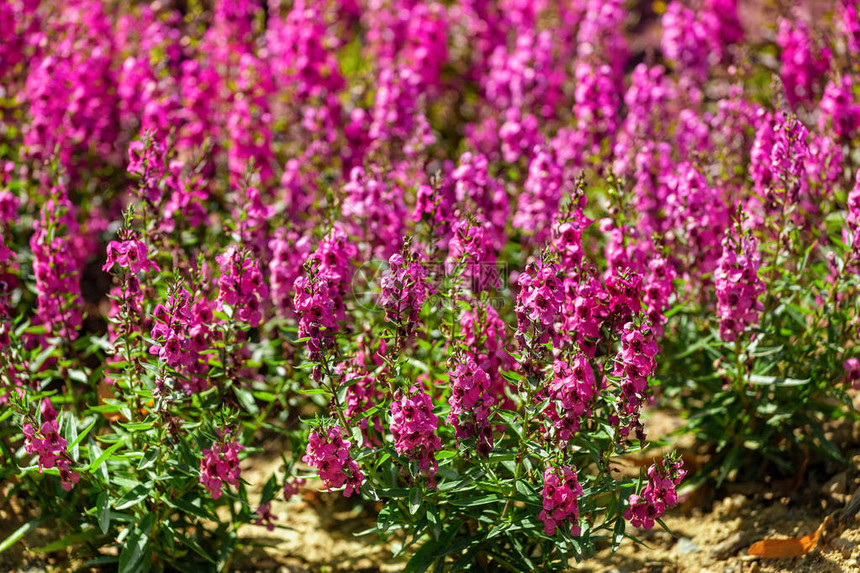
(510, 285)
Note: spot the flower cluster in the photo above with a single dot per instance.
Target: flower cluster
(292, 487)
(265, 517)
(852, 372)
(471, 402)
(71, 87)
(738, 285)
(320, 293)
(49, 445)
(146, 159)
(561, 492)
(657, 290)
(129, 254)
(658, 496)
(471, 246)
(566, 241)
(241, 285)
(328, 452)
(403, 291)
(413, 426)
(361, 396)
(633, 365)
(220, 465)
(687, 41)
(839, 110)
(570, 393)
(542, 193)
(803, 63)
(58, 287)
(170, 327)
(289, 251)
(539, 300)
(478, 191)
(485, 336)
(849, 16)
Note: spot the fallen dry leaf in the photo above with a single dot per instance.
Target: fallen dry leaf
(792, 547)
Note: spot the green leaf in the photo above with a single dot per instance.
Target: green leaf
(415, 499)
(227, 545)
(68, 541)
(134, 496)
(477, 500)
(137, 426)
(72, 436)
(269, 490)
(618, 534)
(134, 556)
(73, 444)
(191, 508)
(777, 381)
(19, 533)
(432, 550)
(246, 399)
(312, 391)
(264, 396)
(190, 542)
(148, 458)
(731, 461)
(97, 463)
(103, 508)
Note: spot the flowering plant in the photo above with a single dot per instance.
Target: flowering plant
(445, 257)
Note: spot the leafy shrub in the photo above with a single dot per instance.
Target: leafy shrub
(440, 256)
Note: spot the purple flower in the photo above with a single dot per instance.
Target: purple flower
(328, 452)
(658, 496)
(561, 491)
(404, 288)
(570, 394)
(471, 400)
(220, 465)
(539, 300)
(738, 285)
(413, 426)
(241, 285)
(803, 63)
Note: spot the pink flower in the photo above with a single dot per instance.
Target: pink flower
(404, 288)
(292, 487)
(129, 254)
(570, 395)
(852, 372)
(328, 452)
(561, 491)
(803, 63)
(656, 291)
(49, 445)
(738, 285)
(471, 400)
(471, 248)
(220, 465)
(413, 426)
(265, 516)
(539, 300)
(542, 192)
(57, 272)
(849, 15)
(658, 496)
(241, 285)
